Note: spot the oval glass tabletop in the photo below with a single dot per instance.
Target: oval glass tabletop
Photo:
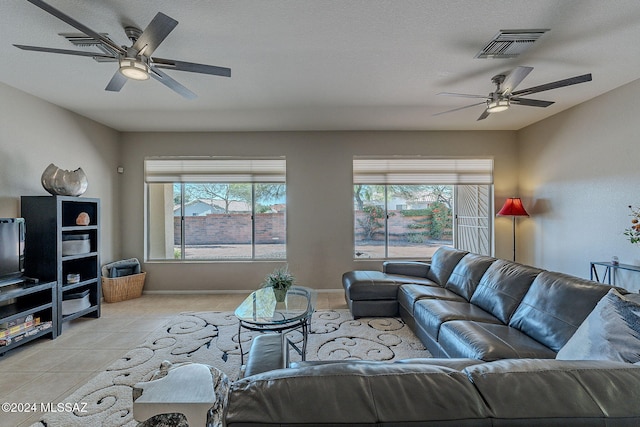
(261, 308)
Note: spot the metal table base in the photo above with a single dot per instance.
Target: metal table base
(303, 324)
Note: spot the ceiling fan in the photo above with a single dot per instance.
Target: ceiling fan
(504, 95)
(135, 62)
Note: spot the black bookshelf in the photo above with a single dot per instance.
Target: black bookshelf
(49, 221)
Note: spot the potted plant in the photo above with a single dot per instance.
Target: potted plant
(280, 280)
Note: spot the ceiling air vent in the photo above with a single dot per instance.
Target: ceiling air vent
(510, 43)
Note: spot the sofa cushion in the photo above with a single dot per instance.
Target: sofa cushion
(502, 287)
(431, 314)
(555, 306)
(594, 393)
(457, 364)
(443, 261)
(268, 352)
(408, 294)
(400, 279)
(406, 268)
(489, 341)
(610, 332)
(355, 394)
(467, 274)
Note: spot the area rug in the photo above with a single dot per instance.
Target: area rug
(212, 338)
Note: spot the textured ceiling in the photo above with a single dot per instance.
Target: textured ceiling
(324, 64)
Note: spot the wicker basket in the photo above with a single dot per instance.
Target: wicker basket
(122, 288)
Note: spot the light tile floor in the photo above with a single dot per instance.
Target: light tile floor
(49, 370)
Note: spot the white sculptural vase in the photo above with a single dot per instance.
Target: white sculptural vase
(60, 182)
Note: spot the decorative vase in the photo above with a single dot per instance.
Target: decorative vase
(280, 294)
(59, 182)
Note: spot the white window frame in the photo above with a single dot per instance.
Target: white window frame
(223, 170)
(418, 170)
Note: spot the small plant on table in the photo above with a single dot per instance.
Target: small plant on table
(280, 280)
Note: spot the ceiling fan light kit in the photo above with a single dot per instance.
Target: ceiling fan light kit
(498, 105)
(134, 69)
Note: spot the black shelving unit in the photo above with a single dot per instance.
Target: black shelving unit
(50, 220)
(23, 299)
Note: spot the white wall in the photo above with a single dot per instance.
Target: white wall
(579, 170)
(319, 196)
(34, 133)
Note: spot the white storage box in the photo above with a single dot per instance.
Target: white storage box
(75, 303)
(75, 244)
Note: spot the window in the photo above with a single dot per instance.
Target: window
(215, 208)
(409, 207)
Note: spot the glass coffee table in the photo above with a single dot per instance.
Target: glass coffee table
(260, 312)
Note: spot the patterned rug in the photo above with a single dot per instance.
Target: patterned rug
(212, 338)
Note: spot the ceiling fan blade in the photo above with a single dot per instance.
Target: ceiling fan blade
(531, 102)
(462, 95)
(484, 115)
(171, 64)
(458, 109)
(116, 83)
(514, 78)
(79, 26)
(64, 51)
(560, 83)
(157, 30)
(171, 83)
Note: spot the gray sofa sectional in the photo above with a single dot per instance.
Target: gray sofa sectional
(503, 337)
(473, 306)
(439, 392)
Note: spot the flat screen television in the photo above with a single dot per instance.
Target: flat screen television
(12, 235)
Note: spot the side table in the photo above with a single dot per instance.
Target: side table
(191, 389)
(610, 271)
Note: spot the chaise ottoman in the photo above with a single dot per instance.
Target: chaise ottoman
(371, 293)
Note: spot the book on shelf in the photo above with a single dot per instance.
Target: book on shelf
(26, 333)
(15, 322)
(15, 330)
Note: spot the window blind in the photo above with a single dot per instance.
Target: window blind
(399, 170)
(215, 169)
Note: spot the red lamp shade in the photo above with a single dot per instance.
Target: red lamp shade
(513, 207)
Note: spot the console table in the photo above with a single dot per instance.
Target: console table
(610, 271)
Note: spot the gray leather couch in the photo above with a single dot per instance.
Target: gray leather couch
(440, 392)
(472, 306)
(470, 311)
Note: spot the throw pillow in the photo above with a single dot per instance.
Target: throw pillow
(610, 332)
